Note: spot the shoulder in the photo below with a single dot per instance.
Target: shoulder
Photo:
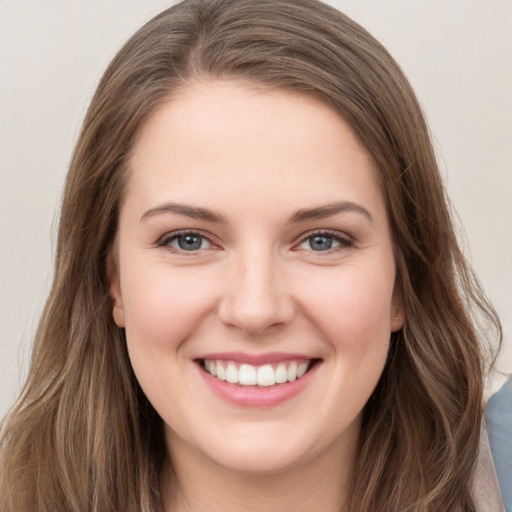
(499, 425)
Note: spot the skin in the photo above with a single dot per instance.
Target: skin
(256, 286)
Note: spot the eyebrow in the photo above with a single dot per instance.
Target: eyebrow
(329, 210)
(182, 209)
(319, 212)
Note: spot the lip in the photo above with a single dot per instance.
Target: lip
(257, 397)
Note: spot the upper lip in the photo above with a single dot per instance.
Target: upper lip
(255, 359)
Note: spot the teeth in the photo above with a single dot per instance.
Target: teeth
(281, 373)
(249, 375)
(301, 370)
(292, 372)
(221, 373)
(231, 374)
(266, 375)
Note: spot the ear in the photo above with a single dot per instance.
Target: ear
(397, 311)
(115, 292)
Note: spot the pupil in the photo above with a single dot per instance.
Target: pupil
(320, 243)
(189, 242)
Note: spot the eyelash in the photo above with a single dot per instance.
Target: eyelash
(345, 242)
(166, 240)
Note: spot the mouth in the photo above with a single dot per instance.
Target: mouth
(257, 376)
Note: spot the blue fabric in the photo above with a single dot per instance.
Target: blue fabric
(499, 425)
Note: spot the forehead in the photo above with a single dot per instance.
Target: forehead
(224, 139)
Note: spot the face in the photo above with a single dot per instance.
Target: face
(255, 276)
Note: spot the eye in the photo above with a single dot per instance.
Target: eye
(188, 241)
(324, 241)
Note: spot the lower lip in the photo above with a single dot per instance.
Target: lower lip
(248, 396)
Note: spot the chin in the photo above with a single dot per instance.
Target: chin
(267, 448)
(258, 458)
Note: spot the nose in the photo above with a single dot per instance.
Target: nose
(256, 298)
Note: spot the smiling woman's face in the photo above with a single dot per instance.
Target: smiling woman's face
(254, 246)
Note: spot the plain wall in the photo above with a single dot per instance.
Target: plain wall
(457, 54)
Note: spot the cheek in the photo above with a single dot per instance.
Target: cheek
(163, 305)
(353, 308)
(163, 309)
(358, 298)
(355, 321)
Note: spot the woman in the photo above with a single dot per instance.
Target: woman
(259, 301)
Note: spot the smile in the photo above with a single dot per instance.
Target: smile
(265, 375)
(257, 380)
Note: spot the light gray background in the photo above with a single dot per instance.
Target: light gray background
(457, 54)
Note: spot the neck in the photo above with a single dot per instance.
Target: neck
(195, 484)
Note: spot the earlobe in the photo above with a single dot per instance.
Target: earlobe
(397, 311)
(397, 322)
(118, 314)
(115, 293)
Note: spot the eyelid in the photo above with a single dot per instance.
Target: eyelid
(165, 240)
(345, 240)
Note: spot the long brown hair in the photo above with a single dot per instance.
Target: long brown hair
(83, 437)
